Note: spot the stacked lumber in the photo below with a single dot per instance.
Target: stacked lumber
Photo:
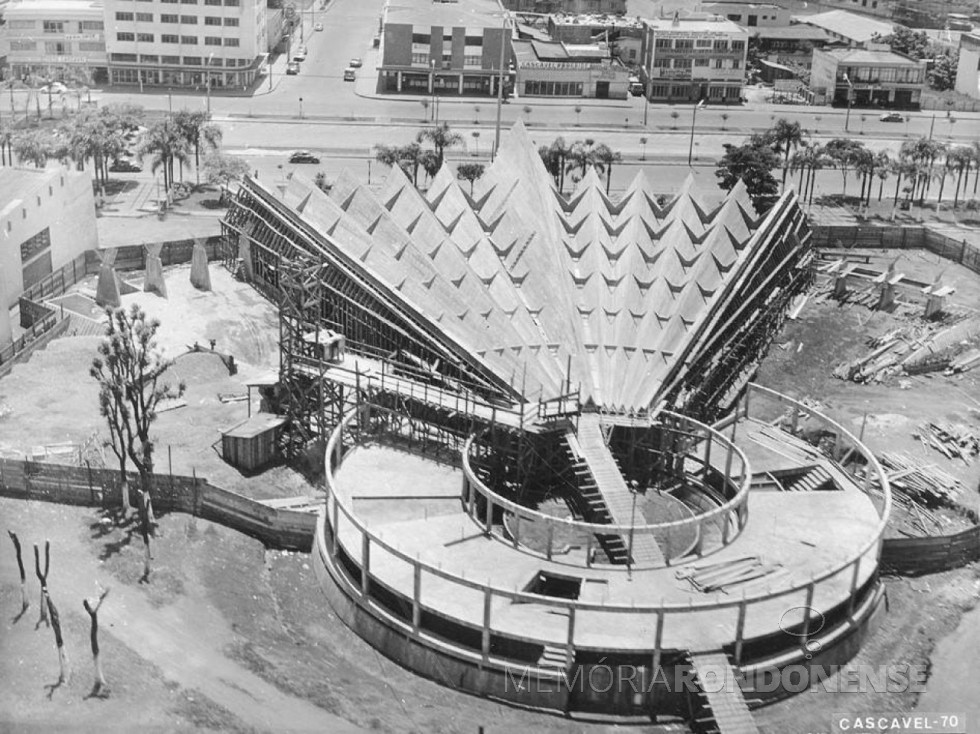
(966, 361)
(924, 484)
(885, 358)
(721, 575)
(954, 441)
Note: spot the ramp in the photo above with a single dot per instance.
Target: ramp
(609, 481)
(723, 709)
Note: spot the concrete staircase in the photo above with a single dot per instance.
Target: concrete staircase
(722, 708)
(553, 657)
(605, 481)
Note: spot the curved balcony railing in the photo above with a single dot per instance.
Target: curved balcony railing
(700, 534)
(352, 561)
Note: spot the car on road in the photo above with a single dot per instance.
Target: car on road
(356, 63)
(124, 166)
(303, 156)
(350, 74)
(292, 68)
(318, 27)
(892, 117)
(300, 54)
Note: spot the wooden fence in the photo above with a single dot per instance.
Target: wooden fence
(899, 237)
(918, 556)
(75, 485)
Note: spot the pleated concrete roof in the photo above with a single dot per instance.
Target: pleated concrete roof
(530, 282)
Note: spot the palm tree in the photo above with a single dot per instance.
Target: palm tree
(724, 120)
(843, 154)
(882, 168)
(441, 137)
(604, 157)
(555, 158)
(165, 143)
(578, 113)
(5, 139)
(976, 160)
(476, 142)
(527, 113)
(199, 132)
(674, 114)
(32, 146)
(786, 137)
(817, 118)
(961, 158)
(580, 156)
(476, 111)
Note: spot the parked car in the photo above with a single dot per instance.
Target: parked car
(303, 156)
(350, 74)
(892, 117)
(292, 68)
(124, 166)
(318, 27)
(355, 63)
(300, 54)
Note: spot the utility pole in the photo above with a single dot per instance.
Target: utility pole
(208, 77)
(500, 86)
(850, 99)
(932, 126)
(694, 117)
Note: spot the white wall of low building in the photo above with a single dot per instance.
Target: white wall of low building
(968, 69)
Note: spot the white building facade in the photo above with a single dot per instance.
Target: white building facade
(55, 40)
(186, 43)
(968, 69)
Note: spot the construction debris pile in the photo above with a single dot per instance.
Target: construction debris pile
(954, 441)
(744, 572)
(916, 348)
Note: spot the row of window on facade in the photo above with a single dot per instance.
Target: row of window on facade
(423, 59)
(671, 63)
(183, 40)
(174, 18)
(687, 90)
(176, 60)
(57, 48)
(179, 78)
(55, 26)
(553, 89)
(447, 38)
(876, 75)
(706, 44)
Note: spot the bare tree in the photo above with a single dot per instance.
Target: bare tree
(128, 370)
(24, 604)
(65, 665)
(100, 688)
(43, 578)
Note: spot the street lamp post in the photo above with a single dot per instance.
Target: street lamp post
(500, 86)
(694, 117)
(850, 99)
(208, 78)
(301, 108)
(646, 102)
(432, 88)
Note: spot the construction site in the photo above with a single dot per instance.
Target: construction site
(632, 459)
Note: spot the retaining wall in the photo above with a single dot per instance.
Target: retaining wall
(899, 237)
(918, 556)
(79, 485)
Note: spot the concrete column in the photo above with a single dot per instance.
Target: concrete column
(399, 77)
(365, 561)
(487, 601)
(740, 632)
(416, 597)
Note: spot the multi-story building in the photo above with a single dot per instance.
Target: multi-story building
(689, 59)
(56, 40)
(444, 48)
(968, 69)
(871, 77)
(186, 43)
(877, 8)
(933, 13)
(749, 14)
(47, 218)
(623, 35)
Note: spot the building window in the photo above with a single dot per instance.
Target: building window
(721, 45)
(20, 25)
(682, 63)
(92, 46)
(55, 48)
(659, 90)
(188, 2)
(422, 38)
(16, 44)
(422, 59)
(232, 3)
(473, 61)
(172, 60)
(738, 45)
(664, 43)
(212, 41)
(144, 37)
(212, 2)
(91, 25)
(192, 61)
(716, 92)
(125, 36)
(231, 42)
(188, 19)
(54, 26)
(144, 17)
(701, 62)
(149, 59)
(684, 43)
(473, 41)
(169, 38)
(211, 20)
(124, 16)
(703, 43)
(231, 22)
(169, 2)
(189, 40)
(661, 63)
(169, 18)
(124, 58)
(34, 246)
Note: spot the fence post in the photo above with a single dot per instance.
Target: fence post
(485, 642)
(416, 597)
(740, 631)
(365, 561)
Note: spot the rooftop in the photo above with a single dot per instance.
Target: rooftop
(858, 28)
(705, 24)
(864, 56)
(532, 51)
(597, 19)
(471, 13)
(33, 7)
(798, 32)
(16, 183)
(767, 6)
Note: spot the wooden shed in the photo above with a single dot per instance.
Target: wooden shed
(254, 443)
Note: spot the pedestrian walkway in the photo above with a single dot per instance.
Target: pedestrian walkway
(616, 495)
(718, 680)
